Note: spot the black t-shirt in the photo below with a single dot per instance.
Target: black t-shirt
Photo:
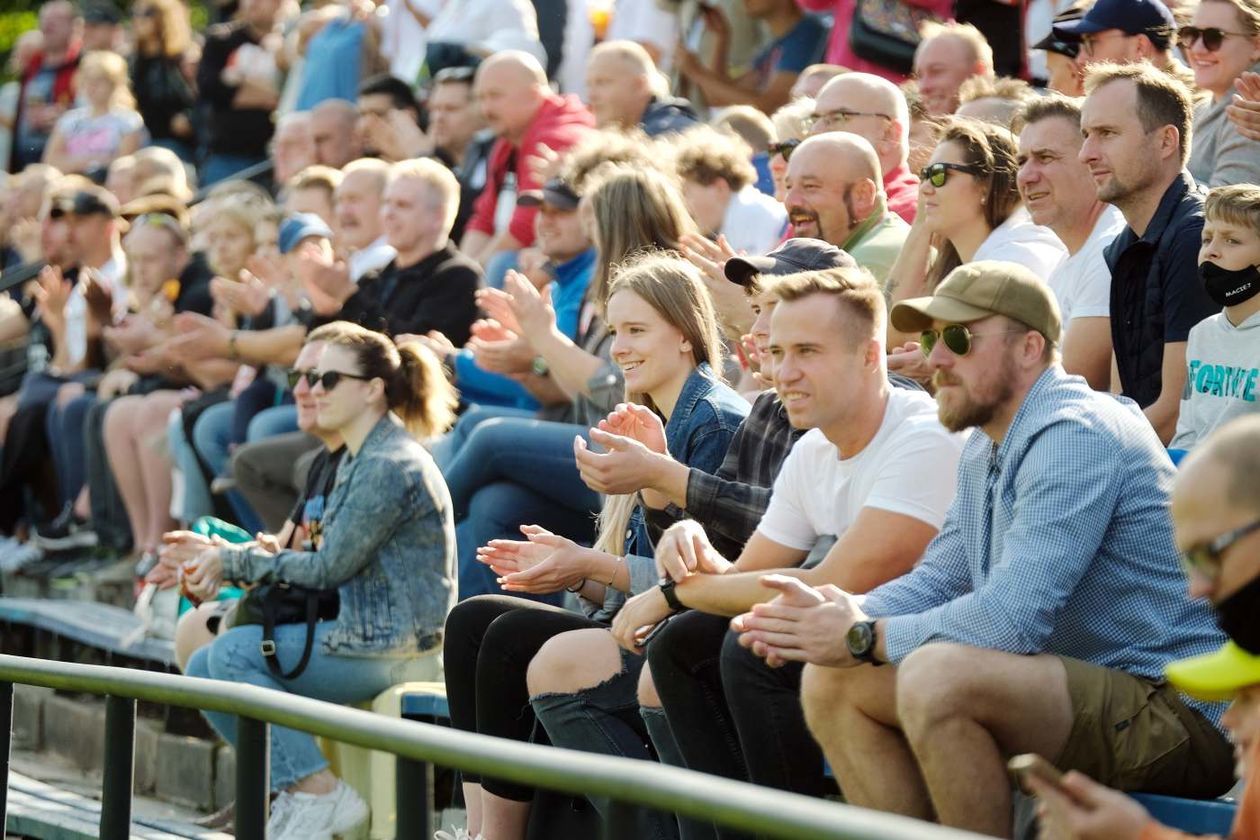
(310, 507)
(233, 131)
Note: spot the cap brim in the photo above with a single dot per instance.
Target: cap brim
(1073, 29)
(1062, 46)
(741, 270)
(1215, 676)
(917, 314)
(530, 198)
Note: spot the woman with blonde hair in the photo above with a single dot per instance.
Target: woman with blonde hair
(85, 140)
(385, 543)
(163, 72)
(1221, 42)
(667, 344)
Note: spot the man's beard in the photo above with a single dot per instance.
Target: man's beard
(974, 413)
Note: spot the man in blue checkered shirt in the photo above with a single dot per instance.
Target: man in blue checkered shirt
(1039, 619)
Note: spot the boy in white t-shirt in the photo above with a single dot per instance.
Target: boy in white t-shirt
(877, 470)
(1223, 351)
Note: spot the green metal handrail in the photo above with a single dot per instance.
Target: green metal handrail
(630, 784)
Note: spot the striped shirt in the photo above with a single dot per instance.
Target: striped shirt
(1060, 542)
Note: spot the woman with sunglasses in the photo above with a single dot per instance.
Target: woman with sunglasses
(1221, 43)
(791, 126)
(163, 72)
(969, 209)
(387, 545)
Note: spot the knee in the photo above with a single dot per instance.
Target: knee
(191, 635)
(823, 691)
(934, 684)
(233, 655)
(572, 662)
(648, 697)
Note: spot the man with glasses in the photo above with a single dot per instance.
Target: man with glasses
(1136, 125)
(873, 108)
(1042, 616)
(1126, 32)
(835, 193)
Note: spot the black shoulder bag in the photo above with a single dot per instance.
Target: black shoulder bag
(270, 604)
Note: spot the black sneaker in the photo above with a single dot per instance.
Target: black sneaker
(65, 532)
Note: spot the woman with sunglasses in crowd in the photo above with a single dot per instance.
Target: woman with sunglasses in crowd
(969, 209)
(163, 71)
(1221, 43)
(666, 341)
(387, 546)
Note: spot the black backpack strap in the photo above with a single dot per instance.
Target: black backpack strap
(268, 645)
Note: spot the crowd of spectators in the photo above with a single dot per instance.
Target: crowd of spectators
(789, 390)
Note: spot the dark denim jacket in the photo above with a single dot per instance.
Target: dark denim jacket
(388, 549)
(698, 434)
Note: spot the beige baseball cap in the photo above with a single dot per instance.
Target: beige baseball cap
(979, 289)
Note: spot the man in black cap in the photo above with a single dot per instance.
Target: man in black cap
(1062, 74)
(1124, 32)
(102, 27)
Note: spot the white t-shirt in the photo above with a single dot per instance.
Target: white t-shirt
(1082, 282)
(754, 222)
(488, 26)
(909, 467)
(97, 137)
(1018, 240)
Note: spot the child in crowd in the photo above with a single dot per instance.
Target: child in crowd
(85, 140)
(1223, 351)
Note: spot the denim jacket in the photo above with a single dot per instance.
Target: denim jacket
(388, 549)
(698, 434)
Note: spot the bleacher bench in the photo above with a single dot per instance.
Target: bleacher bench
(101, 626)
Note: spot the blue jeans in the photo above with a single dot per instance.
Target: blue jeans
(212, 438)
(270, 422)
(451, 443)
(219, 167)
(66, 426)
(234, 657)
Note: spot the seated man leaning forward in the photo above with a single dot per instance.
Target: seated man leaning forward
(1039, 619)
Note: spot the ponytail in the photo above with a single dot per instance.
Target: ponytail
(420, 393)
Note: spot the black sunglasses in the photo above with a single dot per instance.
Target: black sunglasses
(1205, 560)
(956, 337)
(937, 174)
(329, 378)
(785, 148)
(1212, 37)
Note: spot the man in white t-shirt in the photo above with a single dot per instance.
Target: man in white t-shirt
(876, 470)
(1058, 192)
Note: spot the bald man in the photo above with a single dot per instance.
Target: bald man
(625, 90)
(875, 109)
(511, 88)
(332, 128)
(949, 55)
(835, 193)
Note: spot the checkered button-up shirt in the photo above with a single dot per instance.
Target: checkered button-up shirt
(1059, 541)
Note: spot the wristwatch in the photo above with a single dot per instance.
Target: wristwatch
(861, 642)
(671, 597)
(540, 367)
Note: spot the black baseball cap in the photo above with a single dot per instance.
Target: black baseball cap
(1133, 17)
(1057, 42)
(101, 13)
(86, 202)
(794, 255)
(555, 192)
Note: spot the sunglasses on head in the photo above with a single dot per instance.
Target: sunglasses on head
(957, 338)
(785, 148)
(329, 378)
(1205, 560)
(937, 174)
(1211, 35)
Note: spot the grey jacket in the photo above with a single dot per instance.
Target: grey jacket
(388, 548)
(1219, 155)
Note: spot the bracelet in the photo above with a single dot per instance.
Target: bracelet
(576, 590)
(613, 576)
(233, 353)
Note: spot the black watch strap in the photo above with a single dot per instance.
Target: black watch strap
(861, 642)
(671, 597)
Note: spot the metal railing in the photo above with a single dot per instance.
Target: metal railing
(630, 785)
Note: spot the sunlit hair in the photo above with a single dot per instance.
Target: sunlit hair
(673, 288)
(113, 68)
(1236, 204)
(154, 162)
(995, 152)
(973, 38)
(791, 122)
(1049, 106)
(416, 387)
(703, 155)
(1162, 99)
(748, 124)
(443, 188)
(857, 292)
(610, 145)
(635, 210)
(174, 33)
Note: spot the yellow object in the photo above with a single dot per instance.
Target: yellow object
(1215, 676)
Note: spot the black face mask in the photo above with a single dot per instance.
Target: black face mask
(1239, 616)
(1229, 288)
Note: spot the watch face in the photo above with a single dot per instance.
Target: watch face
(859, 639)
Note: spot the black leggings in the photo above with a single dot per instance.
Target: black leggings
(490, 641)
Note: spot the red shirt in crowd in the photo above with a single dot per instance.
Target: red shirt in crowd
(560, 123)
(901, 186)
(838, 49)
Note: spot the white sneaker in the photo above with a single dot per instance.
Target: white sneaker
(460, 834)
(307, 816)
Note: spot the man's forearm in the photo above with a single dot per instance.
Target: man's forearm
(670, 479)
(732, 593)
(276, 346)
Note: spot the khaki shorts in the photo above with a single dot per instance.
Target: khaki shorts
(1134, 734)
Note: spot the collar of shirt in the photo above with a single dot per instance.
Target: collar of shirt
(566, 273)
(1164, 213)
(868, 224)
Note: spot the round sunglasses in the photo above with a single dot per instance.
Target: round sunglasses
(1205, 560)
(329, 379)
(937, 174)
(1211, 35)
(785, 148)
(957, 338)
